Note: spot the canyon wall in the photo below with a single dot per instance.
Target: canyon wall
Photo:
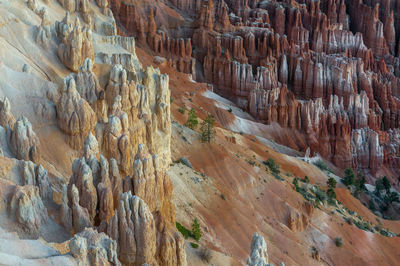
(326, 69)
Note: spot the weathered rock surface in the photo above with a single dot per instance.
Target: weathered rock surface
(75, 116)
(134, 228)
(6, 117)
(76, 44)
(27, 208)
(23, 141)
(317, 67)
(258, 254)
(93, 248)
(36, 175)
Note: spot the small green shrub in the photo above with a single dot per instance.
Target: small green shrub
(321, 195)
(349, 177)
(192, 121)
(184, 231)
(272, 165)
(196, 230)
(194, 245)
(296, 183)
(338, 241)
(181, 110)
(321, 165)
(230, 110)
(278, 177)
(306, 179)
(223, 197)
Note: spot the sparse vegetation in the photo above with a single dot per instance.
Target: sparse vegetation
(338, 241)
(192, 121)
(306, 179)
(207, 129)
(273, 167)
(194, 245)
(322, 165)
(331, 189)
(196, 230)
(349, 177)
(223, 197)
(181, 110)
(296, 183)
(230, 110)
(184, 231)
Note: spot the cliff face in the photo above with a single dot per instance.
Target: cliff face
(327, 69)
(105, 110)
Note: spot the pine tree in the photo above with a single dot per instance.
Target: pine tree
(349, 177)
(196, 230)
(192, 121)
(207, 129)
(331, 188)
(331, 182)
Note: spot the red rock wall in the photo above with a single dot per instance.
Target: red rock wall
(327, 68)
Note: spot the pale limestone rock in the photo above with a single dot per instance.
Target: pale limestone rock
(80, 215)
(66, 211)
(116, 181)
(27, 207)
(90, 147)
(6, 117)
(93, 248)
(69, 5)
(76, 46)
(23, 141)
(64, 27)
(116, 142)
(75, 116)
(105, 193)
(36, 175)
(43, 36)
(103, 4)
(119, 85)
(89, 88)
(258, 254)
(82, 179)
(133, 228)
(32, 4)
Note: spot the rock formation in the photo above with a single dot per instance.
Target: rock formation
(23, 141)
(26, 206)
(43, 36)
(134, 229)
(75, 116)
(6, 117)
(317, 67)
(93, 248)
(75, 44)
(258, 254)
(36, 175)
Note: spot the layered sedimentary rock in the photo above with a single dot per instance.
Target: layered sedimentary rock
(75, 43)
(258, 251)
(92, 248)
(88, 86)
(23, 141)
(27, 208)
(6, 117)
(36, 175)
(324, 68)
(43, 36)
(75, 116)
